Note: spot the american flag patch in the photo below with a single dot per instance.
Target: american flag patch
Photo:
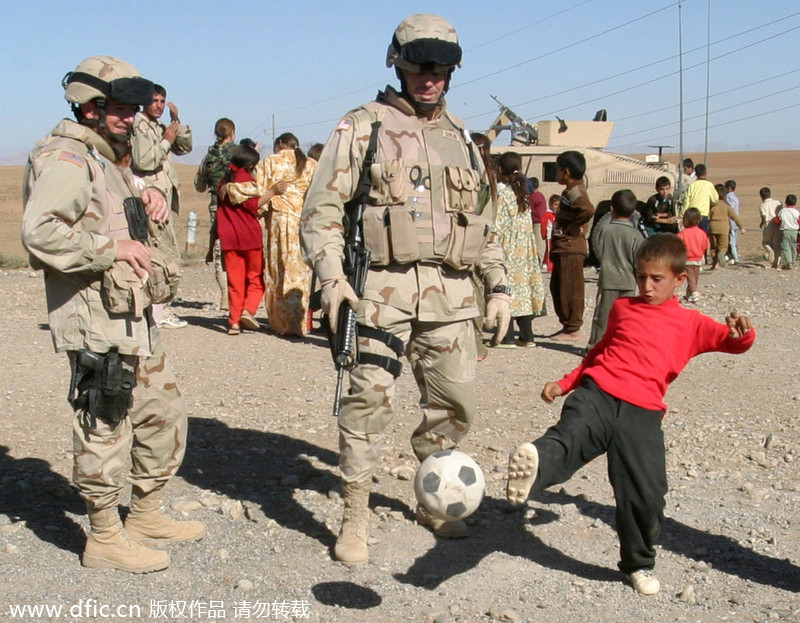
(344, 124)
(69, 156)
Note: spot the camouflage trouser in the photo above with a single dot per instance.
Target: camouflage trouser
(147, 446)
(443, 359)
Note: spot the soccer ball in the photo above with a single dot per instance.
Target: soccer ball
(449, 484)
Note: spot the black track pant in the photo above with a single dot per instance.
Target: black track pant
(592, 423)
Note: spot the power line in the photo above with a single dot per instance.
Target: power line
(664, 77)
(714, 112)
(646, 66)
(566, 47)
(738, 87)
(723, 123)
(537, 23)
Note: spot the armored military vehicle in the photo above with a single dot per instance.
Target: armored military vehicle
(606, 172)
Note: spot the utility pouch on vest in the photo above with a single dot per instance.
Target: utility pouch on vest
(123, 291)
(469, 234)
(162, 285)
(403, 234)
(388, 183)
(101, 385)
(461, 189)
(375, 222)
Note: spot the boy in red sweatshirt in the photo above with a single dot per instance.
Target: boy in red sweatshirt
(617, 405)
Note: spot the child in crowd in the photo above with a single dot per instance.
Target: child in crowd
(617, 405)
(771, 235)
(514, 229)
(548, 219)
(696, 241)
(240, 238)
(733, 201)
(615, 244)
(789, 217)
(659, 213)
(570, 247)
(719, 225)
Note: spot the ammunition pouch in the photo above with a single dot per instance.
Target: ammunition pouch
(469, 233)
(101, 385)
(122, 290)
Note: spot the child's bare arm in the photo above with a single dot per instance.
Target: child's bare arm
(738, 325)
(551, 391)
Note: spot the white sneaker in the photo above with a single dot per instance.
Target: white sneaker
(171, 321)
(645, 582)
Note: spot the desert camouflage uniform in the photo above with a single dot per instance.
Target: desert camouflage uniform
(152, 162)
(410, 291)
(73, 214)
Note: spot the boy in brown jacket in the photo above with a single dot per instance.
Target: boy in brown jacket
(569, 246)
(719, 232)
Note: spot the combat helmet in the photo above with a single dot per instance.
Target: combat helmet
(106, 77)
(424, 41)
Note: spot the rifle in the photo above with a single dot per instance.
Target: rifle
(344, 344)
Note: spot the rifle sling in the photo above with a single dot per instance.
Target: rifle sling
(392, 366)
(392, 341)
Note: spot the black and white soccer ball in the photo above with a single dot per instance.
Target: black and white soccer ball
(450, 485)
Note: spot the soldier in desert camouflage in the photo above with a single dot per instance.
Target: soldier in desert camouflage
(424, 237)
(152, 146)
(130, 418)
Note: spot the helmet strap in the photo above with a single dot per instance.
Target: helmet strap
(98, 124)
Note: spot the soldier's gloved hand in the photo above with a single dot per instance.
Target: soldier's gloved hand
(334, 292)
(498, 313)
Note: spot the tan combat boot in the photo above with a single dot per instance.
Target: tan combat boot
(351, 545)
(109, 547)
(146, 523)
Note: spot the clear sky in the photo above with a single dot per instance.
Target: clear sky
(305, 63)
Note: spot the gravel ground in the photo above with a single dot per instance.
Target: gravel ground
(261, 472)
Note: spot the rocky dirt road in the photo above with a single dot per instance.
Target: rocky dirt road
(261, 473)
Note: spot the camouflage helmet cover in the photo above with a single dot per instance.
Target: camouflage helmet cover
(424, 41)
(107, 77)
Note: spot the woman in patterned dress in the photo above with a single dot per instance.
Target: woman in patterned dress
(282, 180)
(515, 229)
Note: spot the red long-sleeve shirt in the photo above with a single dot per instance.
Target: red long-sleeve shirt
(237, 224)
(645, 348)
(696, 242)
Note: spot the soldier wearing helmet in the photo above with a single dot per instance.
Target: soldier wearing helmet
(80, 227)
(425, 238)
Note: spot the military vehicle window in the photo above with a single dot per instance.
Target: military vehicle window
(549, 171)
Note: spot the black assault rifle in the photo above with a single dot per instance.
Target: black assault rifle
(344, 344)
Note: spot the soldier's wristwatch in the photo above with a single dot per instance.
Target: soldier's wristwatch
(501, 290)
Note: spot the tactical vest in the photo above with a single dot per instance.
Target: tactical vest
(77, 312)
(424, 194)
(104, 215)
